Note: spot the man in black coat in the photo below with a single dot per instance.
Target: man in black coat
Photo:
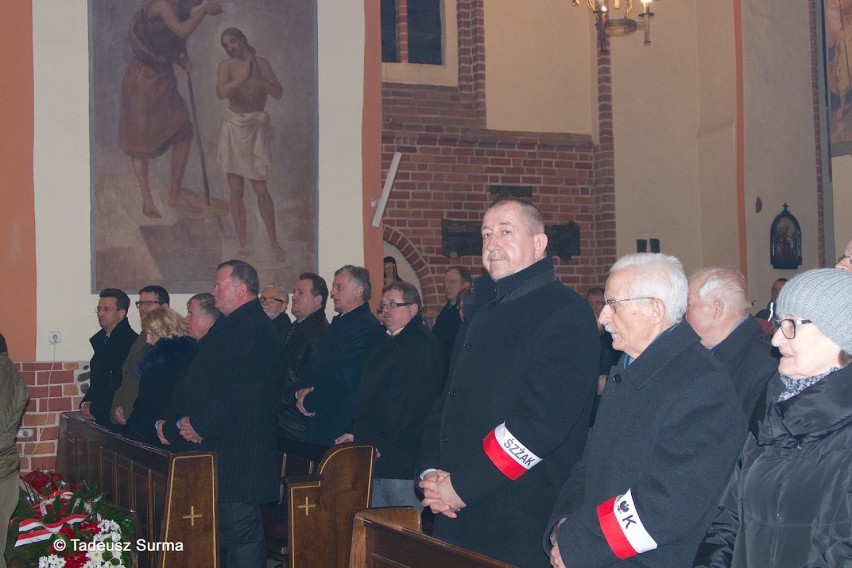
(718, 312)
(667, 433)
(402, 378)
(229, 408)
(514, 414)
(327, 391)
(274, 299)
(309, 299)
(111, 345)
(456, 280)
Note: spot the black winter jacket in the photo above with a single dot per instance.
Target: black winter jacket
(402, 378)
(789, 501)
(524, 366)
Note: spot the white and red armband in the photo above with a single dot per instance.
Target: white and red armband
(622, 527)
(508, 454)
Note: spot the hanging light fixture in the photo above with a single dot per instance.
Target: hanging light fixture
(608, 22)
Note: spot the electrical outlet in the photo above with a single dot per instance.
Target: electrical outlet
(25, 433)
(54, 337)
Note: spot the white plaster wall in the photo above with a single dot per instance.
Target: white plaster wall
(655, 111)
(61, 163)
(717, 226)
(537, 66)
(780, 162)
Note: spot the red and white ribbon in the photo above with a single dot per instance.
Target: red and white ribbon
(507, 453)
(622, 527)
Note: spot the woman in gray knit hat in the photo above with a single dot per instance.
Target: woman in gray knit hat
(789, 501)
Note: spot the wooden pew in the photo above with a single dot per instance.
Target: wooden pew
(173, 495)
(390, 538)
(320, 507)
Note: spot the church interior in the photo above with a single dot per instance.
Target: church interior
(692, 143)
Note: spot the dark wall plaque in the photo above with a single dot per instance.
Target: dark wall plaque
(563, 240)
(511, 190)
(461, 238)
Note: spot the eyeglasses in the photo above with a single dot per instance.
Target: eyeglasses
(613, 303)
(392, 306)
(265, 300)
(788, 326)
(148, 303)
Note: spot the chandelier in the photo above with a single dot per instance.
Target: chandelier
(608, 23)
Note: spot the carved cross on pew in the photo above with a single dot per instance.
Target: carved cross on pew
(307, 506)
(192, 515)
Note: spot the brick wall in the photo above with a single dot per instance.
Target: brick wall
(54, 389)
(450, 160)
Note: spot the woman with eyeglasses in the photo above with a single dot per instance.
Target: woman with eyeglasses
(789, 500)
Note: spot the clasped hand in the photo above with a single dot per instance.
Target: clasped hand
(439, 494)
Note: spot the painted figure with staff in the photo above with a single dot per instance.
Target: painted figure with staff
(154, 115)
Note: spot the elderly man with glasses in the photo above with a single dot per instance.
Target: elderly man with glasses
(402, 377)
(274, 299)
(667, 433)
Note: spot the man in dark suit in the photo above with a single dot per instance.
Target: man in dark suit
(274, 299)
(402, 378)
(456, 280)
(327, 392)
(229, 409)
(309, 297)
(514, 414)
(666, 436)
(717, 309)
(111, 345)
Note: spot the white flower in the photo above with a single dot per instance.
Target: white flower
(108, 526)
(51, 561)
(96, 556)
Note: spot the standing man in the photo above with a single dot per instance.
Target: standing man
(274, 299)
(402, 378)
(456, 280)
(111, 345)
(309, 299)
(150, 298)
(12, 405)
(514, 414)
(246, 80)
(327, 392)
(717, 309)
(201, 314)
(229, 408)
(154, 116)
(666, 436)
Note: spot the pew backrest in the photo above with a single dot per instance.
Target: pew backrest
(321, 506)
(173, 495)
(391, 538)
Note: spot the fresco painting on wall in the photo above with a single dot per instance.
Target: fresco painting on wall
(203, 129)
(838, 46)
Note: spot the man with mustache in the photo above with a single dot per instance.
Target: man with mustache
(514, 414)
